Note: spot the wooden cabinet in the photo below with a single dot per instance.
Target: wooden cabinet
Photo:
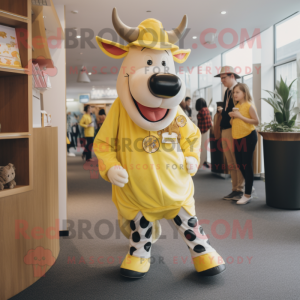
(35, 211)
(15, 99)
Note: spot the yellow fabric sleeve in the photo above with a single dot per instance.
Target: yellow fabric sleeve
(83, 122)
(104, 143)
(190, 141)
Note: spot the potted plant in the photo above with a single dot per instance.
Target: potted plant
(281, 140)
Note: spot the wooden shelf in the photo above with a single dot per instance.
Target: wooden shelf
(16, 7)
(12, 20)
(16, 190)
(8, 71)
(14, 135)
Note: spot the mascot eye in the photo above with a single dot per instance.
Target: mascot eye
(163, 63)
(149, 62)
(8, 175)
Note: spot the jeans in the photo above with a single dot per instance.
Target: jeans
(244, 149)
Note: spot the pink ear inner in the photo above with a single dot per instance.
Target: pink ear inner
(180, 55)
(113, 49)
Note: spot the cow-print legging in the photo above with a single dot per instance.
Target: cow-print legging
(188, 227)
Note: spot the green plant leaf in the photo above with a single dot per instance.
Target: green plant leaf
(279, 117)
(273, 103)
(295, 110)
(292, 84)
(283, 90)
(291, 123)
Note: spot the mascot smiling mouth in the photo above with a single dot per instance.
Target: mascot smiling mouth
(151, 114)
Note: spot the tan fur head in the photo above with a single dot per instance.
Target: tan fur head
(7, 173)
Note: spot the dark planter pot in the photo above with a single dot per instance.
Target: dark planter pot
(282, 169)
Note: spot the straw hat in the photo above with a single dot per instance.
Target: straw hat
(228, 70)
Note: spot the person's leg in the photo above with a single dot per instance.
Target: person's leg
(237, 178)
(239, 151)
(249, 176)
(137, 261)
(203, 154)
(88, 148)
(206, 259)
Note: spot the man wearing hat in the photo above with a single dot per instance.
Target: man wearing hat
(228, 79)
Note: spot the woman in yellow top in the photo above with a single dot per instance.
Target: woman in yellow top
(87, 124)
(244, 134)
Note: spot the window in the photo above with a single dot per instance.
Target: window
(248, 80)
(239, 58)
(205, 74)
(287, 39)
(288, 72)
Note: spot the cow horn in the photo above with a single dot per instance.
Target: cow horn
(129, 34)
(176, 34)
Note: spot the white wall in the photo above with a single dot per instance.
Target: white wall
(55, 104)
(216, 84)
(267, 73)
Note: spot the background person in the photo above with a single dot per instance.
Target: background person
(204, 124)
(87, 123)
(228, 79)
(244, 132)
(188, 109)
(100, 118)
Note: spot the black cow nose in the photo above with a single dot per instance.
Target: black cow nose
(164, 85)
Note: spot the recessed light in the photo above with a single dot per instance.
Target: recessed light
(78, 36)
(44, 17)
(194, 37)
(81, 53)
(223, 12)
(70, 100)
(74, 11)
(90, 73)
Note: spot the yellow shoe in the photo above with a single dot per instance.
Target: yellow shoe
(209, 264)
(134, 267)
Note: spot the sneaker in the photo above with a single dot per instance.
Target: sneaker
(244, 200)
(231, 195)
(238, 197)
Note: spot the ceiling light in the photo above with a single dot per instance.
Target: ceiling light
(78, 36)
(74, 11)
(194, 37)
(223, 12)
(81, 53)
(83, 76)
(70, 100)
(90, 73)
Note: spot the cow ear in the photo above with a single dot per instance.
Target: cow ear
(112, 49)
(181, 55)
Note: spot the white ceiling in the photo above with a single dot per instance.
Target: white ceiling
(96, 15)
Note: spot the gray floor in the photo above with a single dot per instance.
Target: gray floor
(273, 271)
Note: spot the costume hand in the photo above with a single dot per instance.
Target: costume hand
(117, 176)
(191, 164)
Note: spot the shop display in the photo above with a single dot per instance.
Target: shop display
(9, 51)
(7, 177)
(157, 147)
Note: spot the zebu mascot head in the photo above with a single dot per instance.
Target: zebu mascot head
(147, 84)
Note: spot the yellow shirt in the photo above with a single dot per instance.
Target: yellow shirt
(159, 184)
(84, 122)
(240, 128)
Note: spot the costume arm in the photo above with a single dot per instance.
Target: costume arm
(105, 141)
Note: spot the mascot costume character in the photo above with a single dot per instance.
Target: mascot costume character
(148, 149)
